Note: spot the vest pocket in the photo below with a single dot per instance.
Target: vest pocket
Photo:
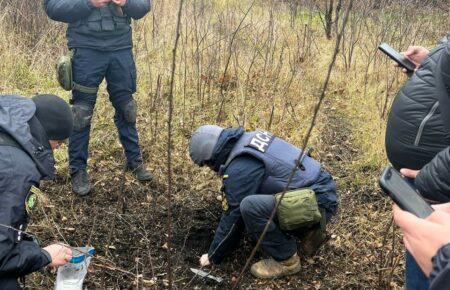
(424, 122)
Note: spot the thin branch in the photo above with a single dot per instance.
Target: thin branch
(305, 143)
(169, 148)
(230, 53)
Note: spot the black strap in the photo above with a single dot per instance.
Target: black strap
(84, 89)
(7, 140)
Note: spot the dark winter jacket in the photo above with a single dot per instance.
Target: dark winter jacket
(440, 275)
(241, 178)
(434, 178)
(97, 28)
(415, 131)
(418, 129)
(22, 166)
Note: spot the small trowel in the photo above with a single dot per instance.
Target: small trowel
(204, 274)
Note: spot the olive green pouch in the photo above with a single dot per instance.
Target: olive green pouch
(297, 209)
(65, 78)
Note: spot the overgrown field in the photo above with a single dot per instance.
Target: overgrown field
(257, 64)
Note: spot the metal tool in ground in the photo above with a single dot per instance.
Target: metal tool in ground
(204, 274)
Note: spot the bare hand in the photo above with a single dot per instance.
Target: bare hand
(100, 3)
(409, 173)
(120, 3)
(423, 237)
(60, 255)
(415, 54)
(443, 207)
(204, 261)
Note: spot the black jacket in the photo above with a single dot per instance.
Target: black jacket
(440, 275)
(415, 130)
(74, 12)
(418, 129)
(21, 167)
(434, 178)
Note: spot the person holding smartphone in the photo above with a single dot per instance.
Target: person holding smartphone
(428, 240)
(418, 134)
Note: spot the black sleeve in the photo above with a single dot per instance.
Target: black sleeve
(68, 10)
(22, 259)
(445, 66)
(242, 178)
(17, 174)
(137, 9)
(440, 275)
(433, 180)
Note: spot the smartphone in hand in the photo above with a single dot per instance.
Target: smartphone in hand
(403, 194)
(397, 57)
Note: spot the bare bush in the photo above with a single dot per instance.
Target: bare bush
(26, 18)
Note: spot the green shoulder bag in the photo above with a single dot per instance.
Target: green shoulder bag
(297, 209)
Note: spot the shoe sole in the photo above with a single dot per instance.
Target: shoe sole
(144, 179)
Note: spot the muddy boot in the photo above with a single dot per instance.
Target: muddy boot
(80, 182)
(269, 268)
(312, 241)
(140, 172)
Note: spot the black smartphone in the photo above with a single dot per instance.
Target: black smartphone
(403, 194)
(397, 57)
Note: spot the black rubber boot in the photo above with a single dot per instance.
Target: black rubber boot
(80, 183)
(140, 172)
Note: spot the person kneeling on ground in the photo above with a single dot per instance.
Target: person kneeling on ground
(29, 130)
(255, 167)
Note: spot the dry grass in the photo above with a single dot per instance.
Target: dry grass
(276, 67)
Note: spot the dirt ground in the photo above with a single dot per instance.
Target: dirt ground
(126, 223)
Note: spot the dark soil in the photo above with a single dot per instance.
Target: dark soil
(126, 223)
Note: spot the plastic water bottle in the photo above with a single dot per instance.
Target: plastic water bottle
(71, 275)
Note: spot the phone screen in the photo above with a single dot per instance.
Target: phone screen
(403, 194)
(396, 56)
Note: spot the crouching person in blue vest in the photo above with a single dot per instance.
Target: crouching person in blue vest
(255, 167)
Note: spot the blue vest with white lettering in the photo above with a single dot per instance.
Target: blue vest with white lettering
(279, 158)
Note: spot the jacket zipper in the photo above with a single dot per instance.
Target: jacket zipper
(424, 122)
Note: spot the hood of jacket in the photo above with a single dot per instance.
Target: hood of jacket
(224, 145)
(17, 119)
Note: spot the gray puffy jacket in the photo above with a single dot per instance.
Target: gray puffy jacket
(415, 130)
(418, 129)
